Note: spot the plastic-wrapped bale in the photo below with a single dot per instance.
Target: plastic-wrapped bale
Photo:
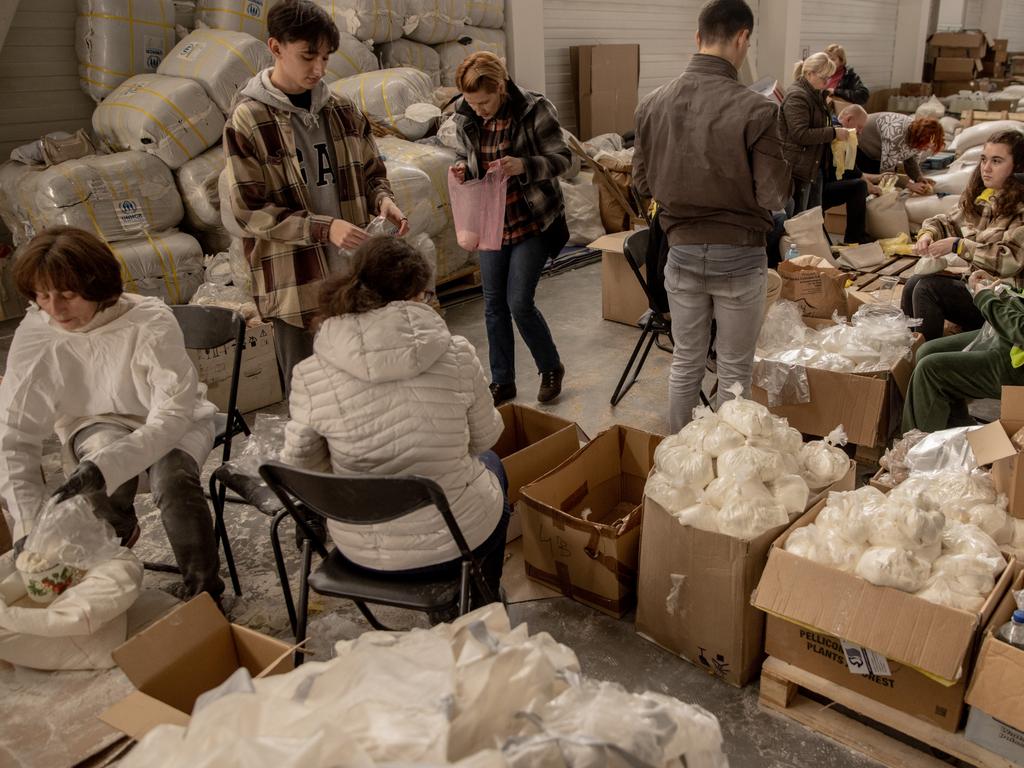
(921, 208)
(409, 53)
(115, 39)
(474, 39)
(387, 94)
(219, 60)
(436, 21)
(980, 133)
(378, 20)
(16, 212)
(450, 255)
(184, 17)
(237, 15)
(169, 117)
(197, 182)
(486, 13)
(168, 265)
(353, 57)
(116, 197)
(419, 197)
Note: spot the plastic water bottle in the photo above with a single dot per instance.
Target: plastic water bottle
(1012, 631)
(793, 252)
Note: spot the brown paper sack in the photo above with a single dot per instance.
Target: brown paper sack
(816, 286)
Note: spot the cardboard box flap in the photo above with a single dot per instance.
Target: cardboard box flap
(613, 242)
(997, 686)
(137, 714)
(1011, 407)
(526, 426)
(261, 654)
(990, 443)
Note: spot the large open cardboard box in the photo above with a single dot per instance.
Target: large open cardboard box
(622, 298)
(605, 79)
(996, 695)
(533, 443)
(581, 521)
(259, 383)
(991, 445)
(191, 650)
(812, 609)
(694, 591)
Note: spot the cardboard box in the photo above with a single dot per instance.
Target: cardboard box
(622, 298)
(996, 718)
(991, 445)
(878, 101)
(880, 480)
(694, 592)
(259, 381)
(953, 87)
(188, 652)
(928, 647)
(605, 81)
(1000, 44)
(835, 220)
(915, 89)
(974, 41)
(581, 521)
(948, 68)
(532, 444)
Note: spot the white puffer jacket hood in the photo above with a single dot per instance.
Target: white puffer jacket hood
(392, 392)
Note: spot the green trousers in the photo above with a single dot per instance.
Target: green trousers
(946, 378)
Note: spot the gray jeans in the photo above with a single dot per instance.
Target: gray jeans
(177, 493)
(724, 282)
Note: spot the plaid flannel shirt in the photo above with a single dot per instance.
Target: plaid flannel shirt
(286, 241)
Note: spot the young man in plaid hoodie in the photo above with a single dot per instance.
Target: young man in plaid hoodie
(305, 176)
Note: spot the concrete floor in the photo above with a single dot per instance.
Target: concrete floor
(594, 352)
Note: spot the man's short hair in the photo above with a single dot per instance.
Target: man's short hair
(721, 20)
(291, 21)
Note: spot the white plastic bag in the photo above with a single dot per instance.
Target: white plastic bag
(673, 498)
(823, 462)
(684, 466)
(69, 532)
(746, 416)
(893, 567)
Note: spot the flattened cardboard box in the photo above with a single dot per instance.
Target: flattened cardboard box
(581, 521)
(991, 445)
(191, 650)
(693, 592)
(605, 81)
(996, 693)
(933, 641)
(532, 444)
(259, 382)
(622, 298)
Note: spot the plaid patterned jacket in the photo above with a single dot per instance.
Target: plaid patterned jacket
(286, 242)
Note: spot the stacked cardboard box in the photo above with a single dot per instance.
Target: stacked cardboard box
(995, 63)
(957, 59)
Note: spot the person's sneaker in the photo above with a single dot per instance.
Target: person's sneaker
(502, 393)
(550, 384)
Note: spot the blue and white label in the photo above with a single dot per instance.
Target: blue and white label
(254, 8)
(154, 53)
(129, 214)
(862, 661)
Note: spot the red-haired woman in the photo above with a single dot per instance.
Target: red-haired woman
(889, 138)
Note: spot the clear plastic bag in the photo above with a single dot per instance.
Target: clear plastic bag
(69, 532)
(987, 339)
(478, 208)
(263, 444)
(894, 460)
(227, 296)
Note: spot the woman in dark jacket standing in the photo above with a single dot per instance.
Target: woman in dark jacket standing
(499, 122)
(806, 129)
(845, 84)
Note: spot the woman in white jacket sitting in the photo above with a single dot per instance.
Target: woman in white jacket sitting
(108, 372)
(390, 391)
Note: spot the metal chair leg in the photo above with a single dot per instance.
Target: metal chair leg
(282, 570)
(365, 610)
(218, 492)
(300, 632)
(624, 386)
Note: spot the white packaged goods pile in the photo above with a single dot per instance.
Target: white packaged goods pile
(435, 21)
(475, 692)
(353, 57)
(379, 21)
(219, 60)
(184, 17)
(400, 98)
(472, 40)
(115, 39)
(198, 183)
(419, 198)
(116, 197)
(921, 208)
(582, 209)
(741, 471)
(237, 15)
(16, 211)
(936, 535)
(408, 53)
(978, 134)
(486, 13)
(168, 265)
(169, 117)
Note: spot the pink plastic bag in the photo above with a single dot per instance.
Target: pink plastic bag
(478, 207)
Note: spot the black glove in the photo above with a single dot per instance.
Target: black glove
(86, 478)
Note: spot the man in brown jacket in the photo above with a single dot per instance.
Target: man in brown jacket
(708, 150)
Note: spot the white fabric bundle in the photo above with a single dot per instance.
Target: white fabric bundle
(198, 182)
(353, 57)
(387, 95)
(684, 466)
(472, 40)
(893, 567)
(377, 21)
(169, 117)
(409, 53)
(419, 198)
(582, 209)
(168, 265)
(435, 21)
(708, 432)
(237, 15)
(115, 39)
(791, 493)
(219, 60)
(116, 197)
(921, 208)
(673, 498)
(486, 13)
(980, 133)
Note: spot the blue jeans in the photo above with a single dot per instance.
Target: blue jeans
(510, 278)
(728, 283)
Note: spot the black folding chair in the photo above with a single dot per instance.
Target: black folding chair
(206, 327)
(366, 500)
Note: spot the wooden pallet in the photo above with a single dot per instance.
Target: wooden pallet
(467, 275)
(781, 685)
(973, 116)
(901, 267)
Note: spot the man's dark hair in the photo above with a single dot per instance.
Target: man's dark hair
(721, 20)
(291, 21)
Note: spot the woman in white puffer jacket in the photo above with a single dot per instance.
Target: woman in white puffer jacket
(389, 390)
